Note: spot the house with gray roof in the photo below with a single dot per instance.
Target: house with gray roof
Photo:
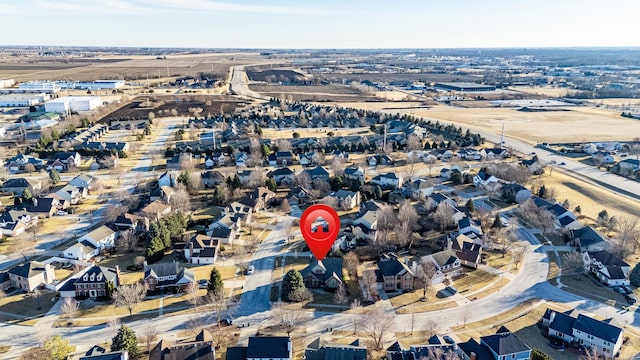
(201, 348)
(16, 186)
(396, 275)
(352, 351)
(31, 275)
(263, 348)
(506, 345)
(97, 282)
(446, 263)
(323, 273)
(167, 276)
(588, 239)
(607, 267)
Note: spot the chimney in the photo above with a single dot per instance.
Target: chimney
(552, 317)
(144, 264)
(35, 202)
(117, 275)
(473, 356)
(190, 249)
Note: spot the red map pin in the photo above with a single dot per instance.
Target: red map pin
(322, 237)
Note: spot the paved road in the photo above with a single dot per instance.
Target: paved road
(239, 84)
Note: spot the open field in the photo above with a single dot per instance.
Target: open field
(542, 90)
(314, 92)
(181, 103)
(20, 307)
(579, 124)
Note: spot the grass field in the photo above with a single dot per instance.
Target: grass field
(20, 307)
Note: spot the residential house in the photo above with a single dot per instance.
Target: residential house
(533, 165)
(102, 237)
(564, 219)
(466, 249)
(469, 154)
(485, 180)
(240, 211)
(436, 349)
(201, 249)
(494, 153)
(43, 208)
(222, 235)
(283, 158)
(299, 196)
(514, 192)
(241, 159)
(167, 276)
(352, 351)
(417, 189)
(630, 165)
(179, 160)
(68, 195)
(441, 154)
(388, 180)
(263, 348)
(5, 281)
(31, 275)
(202, 348)
(602, 158)
(323, 273)
(601, 336)
(318, 173)
(16, 186)
(113, 355)
(16, 222)
(446, 173)
(446, 263)
(211, 178)
(588, 239)
(82, 250)
(379, 159)
(83, 181)
(244, 175)
(396, 275)
(163, 193)
(365, 225)
(97, 282)
(156, 210)
(224, 228)
(260, 198)
(282, 176)
(347, 200)
(343, 243)
(440, 198)
(63, 161)
(168, 178)
(607, 267)
(306, 159)
(131, 222)
(505, 345)
(354, 173)
(470, 228)
(18, 163)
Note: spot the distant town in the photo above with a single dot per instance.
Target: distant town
(150, 204)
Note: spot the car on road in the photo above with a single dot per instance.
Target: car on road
(556, 343)
(283, 241)
(203, 284)
(619, 290)
(630, 299)
(563, 163)
(451, 289)
(250, 270)
(448, 339)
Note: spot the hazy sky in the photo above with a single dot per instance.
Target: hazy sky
(321, 24)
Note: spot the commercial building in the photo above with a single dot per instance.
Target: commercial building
(4, 83)
(464, 86)
(24, 100)
(73, 103)
(39, 86)
(92, 85)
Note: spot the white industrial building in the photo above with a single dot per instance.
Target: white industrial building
(73, 103)
(7, 83)
(25, 100)
(39, 86)
(92, 85)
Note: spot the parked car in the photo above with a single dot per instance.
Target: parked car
(226, 321)
(250, 270)
(451, 289)
(630, 299)
(203, 284)
(627, 289)
(448, 339)
(619, 290)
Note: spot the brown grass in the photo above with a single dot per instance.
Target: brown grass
(20, 307)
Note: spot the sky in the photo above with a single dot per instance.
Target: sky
(321, 24)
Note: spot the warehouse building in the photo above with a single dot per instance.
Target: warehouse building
(26, 100)
(73, 103)
(92, 85)
(7, 83)
(464, 86)
(39, 86)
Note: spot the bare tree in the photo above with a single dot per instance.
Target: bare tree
(414, 143)
(112, 326)
(370, 279)
(127, 240)
(180, 200)
(150, 333)
(331, 201)
(376, 325)
(386, 217)
(518, 251)
(351, 263)
(186, 162)
(356, 308)
(283, 145)
(628, 234)
(432, 328)
(341, 296)
(303, 179)
(284, 206)
(465, 314)
(407, 223)
(29, 168)
(111, 212)
(256, 179)
(426, 272)
(129, 296)
(337, 165)
(194, 297)
(288, 319)
(443, 216)
(572, 263)
(70, 308)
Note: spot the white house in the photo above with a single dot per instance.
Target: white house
(389, 180)
(169, 178)
(602, 158)
(102, 238)
(347, 200)
(241, 159)
(607, 267)
(82, 181)
(446, 262)
(82, 251)
(201, 249)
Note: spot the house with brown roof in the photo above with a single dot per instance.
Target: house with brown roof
(201, 249)
(156, 210)
(468, 251)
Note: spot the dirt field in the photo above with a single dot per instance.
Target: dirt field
(579, 124)
(542, 90)
(314, 92)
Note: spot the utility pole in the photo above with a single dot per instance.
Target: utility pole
(384, 142)
(502, 136)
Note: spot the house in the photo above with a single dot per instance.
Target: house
(564, 219)
(630, 164)
(241, 159)
(469, 227)
(306, 159)
(436, 349)
(282, 176)
(83, 251)
(446, 263)
(494, 153)
(601, 336)
(131, 222)
(417, 189)
(168, 178)
(83, 181)
(354, 173)
(18, 163)
(299, 196)
(388, 180)
(514, 192)
(179, 160)
(16, 186)
(16, 222)
(163, 193)
(396, 275)
(446, 173)
(260, 198)
(114, 355)
(469, 154)
(63, 161)
(167, 276)
(380, 159)
(318, 173)
(202, 348)
(42, 207)
(607, 267)
(283, 158)
(323, 273)
(97, 282)
(102, 237)
(263, 348)
(68, 195)
(244, 175)
(5, 281)
(352, 351)
(31, 275)
(485, 180)
(241, 212)
(602, 158)
(201, 249)
(441, 154)
(468, 251)
(156, 210)
(343, 243)
(588, 239)
(533, 165)
(506, 345)
(347, 200)
(211, 178)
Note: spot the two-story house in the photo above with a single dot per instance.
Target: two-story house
(97, 282)
(16, 186)
(388, 180)
(396, 275)
(16, 222)
(201, 249)
(607, 267)
(323, 273)
(263, 348)
(202, 348)
(318, 173)
(31, 275)
(102, 237)
(354, 173)
(167, 276)
(347, 200)
(352, 351)
(446, 263)
(83, 181)
(282, 176)
(466, 249)
(504, 345)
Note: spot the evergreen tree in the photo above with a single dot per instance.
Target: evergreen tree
(634, 275)
(497, 222)
(265, 151)
(26, 194)
(217, 196)
(470, 207)
(235, 184)
(216, 285)
(537, 354)
(58, 348)
(54, 175)
(292, 281)
(542, 192)
(125, 340)
(271, 184)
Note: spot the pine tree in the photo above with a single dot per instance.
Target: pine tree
(54, 175)
(292, 281)
(271, 184)
(26, 194)
(470, 206)
(497, 222)
(125, 340)
(634, 275)
(542, 192)
(216, 285)
(537, 354)
(58, 348)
